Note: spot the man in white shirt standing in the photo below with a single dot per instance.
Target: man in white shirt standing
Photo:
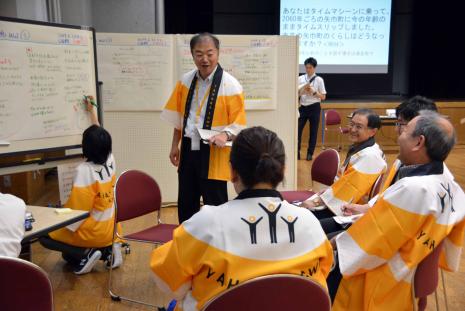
(311, 92)
(12, 216)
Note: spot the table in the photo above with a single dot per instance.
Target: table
(47, 220)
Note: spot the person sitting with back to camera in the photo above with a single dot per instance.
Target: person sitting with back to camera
(84, 243)
(363, 164)
(12, 218)
(253, 235)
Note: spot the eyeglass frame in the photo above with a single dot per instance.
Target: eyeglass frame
(358, 126)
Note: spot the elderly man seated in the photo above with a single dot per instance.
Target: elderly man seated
(379, 253)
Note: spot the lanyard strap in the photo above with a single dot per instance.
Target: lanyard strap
(196, 99)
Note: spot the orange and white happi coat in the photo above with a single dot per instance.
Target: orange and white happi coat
(228, 115)
(356, 178)
(253, 235)
(92, 191)
(379, 253)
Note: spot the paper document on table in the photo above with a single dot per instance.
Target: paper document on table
(206, 134)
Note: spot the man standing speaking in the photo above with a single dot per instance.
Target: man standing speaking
(207, 98)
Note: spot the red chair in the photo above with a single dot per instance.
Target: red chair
(425, 280)
(138, 194)
(376, 187)
(325, 166)
(24, 286)
(323, 171)
(273, 292)
(333, 119)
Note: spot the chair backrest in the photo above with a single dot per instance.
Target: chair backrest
(136, 194)
(425, 280)
(332, 117)
(24, 286)
(325, 166)
(376, 186)
(273, 292)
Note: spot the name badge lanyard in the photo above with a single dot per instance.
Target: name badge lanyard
(202, 103)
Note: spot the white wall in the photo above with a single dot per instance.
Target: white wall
(35, 10)
(76, 12)
(127, 16)
(8, 8)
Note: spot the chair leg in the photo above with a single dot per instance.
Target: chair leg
(444, 289)
(116, 297)
(437, 301)
(414, 300)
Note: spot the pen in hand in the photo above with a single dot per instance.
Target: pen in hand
(90, 99)
(343, 209)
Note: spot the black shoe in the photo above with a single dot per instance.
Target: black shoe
(88, 262)
(70, 259)
(309, 157)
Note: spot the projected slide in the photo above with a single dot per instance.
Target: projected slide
(344, 36)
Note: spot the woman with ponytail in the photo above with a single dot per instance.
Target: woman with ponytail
(253, 235)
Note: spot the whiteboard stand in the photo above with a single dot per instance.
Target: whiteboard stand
(100, 102)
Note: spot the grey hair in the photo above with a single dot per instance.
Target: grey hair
(201, 36)
(437, 141)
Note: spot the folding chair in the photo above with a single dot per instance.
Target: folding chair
(376, 187)
(273, 292)
(24, 286)
(333, 119)
(138, 194)
(323, 171)
(425, 280)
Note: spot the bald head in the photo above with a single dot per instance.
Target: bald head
(439, 134)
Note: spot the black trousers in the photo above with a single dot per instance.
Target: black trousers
(333, 280)
(72, 254)
(311, 114)
(192, 186)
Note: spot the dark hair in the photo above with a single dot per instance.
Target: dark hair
(437, 141)
(410, 108)
(311, 61)
(258, 156)
(200, 37)
(96, 144)
(374, 122)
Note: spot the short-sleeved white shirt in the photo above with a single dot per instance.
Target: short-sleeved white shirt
(317, 84)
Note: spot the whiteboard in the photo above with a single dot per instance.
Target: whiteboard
(139, 71)
(45, 70)
(136, 70)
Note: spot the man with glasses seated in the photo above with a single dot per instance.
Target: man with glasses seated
(363, 164)
(380, 252)
(405, 112)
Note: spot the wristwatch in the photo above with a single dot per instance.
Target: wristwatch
(228, 134)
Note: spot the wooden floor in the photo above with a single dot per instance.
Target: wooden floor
(89, 292)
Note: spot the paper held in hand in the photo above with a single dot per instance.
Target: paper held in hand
(337, 211)
(206, 134)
